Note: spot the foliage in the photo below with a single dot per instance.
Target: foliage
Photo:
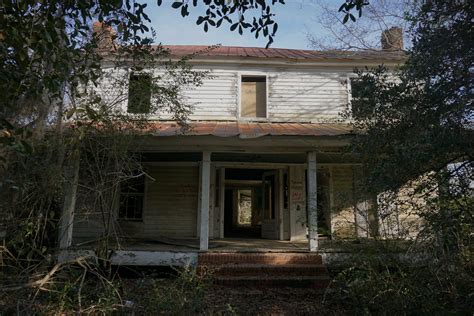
(263, 22)
(417, 122)
(53, 114)
(426, 112)
(84, 289)
(78, 286)
(378, 17)
(387, 287)
(415, 136)
(183, 296)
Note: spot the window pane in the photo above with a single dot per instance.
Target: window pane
(131, 198)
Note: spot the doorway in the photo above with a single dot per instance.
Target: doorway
(251, 203)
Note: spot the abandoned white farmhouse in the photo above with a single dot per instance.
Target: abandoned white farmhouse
(264, 160)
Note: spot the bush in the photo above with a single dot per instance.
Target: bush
(374, 287)
(182, 295)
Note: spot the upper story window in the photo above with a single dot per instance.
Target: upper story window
(253, 96)
(132, 194)
(139, 93)
(356, 91)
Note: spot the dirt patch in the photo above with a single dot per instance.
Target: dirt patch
(228, 300)
(266, 301)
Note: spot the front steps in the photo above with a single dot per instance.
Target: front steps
(265, 269)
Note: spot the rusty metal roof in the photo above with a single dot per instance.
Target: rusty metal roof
(283, 53)
(246, 130)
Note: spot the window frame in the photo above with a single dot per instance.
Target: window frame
(350, 78)
(137, 74)
(242, 74)
(143, 195)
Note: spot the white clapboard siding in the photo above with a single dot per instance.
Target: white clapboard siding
(171, 202)
(217, 97)
(306, 96)
(294, 93)
(170, 208)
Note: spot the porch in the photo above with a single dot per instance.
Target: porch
(225, 194)
(185, 252)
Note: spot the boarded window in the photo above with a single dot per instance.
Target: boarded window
(132, 193)
(139, 93)
(253, 101)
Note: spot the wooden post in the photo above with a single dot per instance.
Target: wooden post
(312, 202)
(70, 193)
(221, 202)
(205, 186)
(280, 204)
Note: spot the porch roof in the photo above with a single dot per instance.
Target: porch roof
(246, 130)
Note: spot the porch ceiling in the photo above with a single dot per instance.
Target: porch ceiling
(247, 130)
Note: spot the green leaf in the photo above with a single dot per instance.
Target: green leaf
(27, 147)
(176, 5)
(346, 18)
(70, 113)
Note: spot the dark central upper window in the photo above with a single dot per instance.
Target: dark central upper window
(253, 96)
(139, 93)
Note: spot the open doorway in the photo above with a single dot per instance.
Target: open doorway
(251, 202)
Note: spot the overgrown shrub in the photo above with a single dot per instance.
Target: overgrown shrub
(376, 287)
(181, 295)
(70, 288)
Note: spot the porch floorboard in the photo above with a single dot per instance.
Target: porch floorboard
(257, 245)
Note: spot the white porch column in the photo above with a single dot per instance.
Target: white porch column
(312, 202)
(205, 187)
(70, 192)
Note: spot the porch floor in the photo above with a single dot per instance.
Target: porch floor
(256, 245)
(215, 245)
(247, 245)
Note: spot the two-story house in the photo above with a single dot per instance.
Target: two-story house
(263, 164)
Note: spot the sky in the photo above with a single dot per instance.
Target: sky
(296, 18)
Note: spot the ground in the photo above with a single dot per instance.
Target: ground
(225, 300)
(266, 301)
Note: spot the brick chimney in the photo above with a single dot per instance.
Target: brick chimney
(392, 39)
(105, 36)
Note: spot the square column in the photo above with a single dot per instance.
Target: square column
(204, 204)
(312, 203)
(71, 176)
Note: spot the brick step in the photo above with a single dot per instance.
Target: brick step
(266, 270)
(317, 282)
(218, 258)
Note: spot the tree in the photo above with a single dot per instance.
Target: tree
(49, 58)
(415, 138)
(425, 116)
(346, 34)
